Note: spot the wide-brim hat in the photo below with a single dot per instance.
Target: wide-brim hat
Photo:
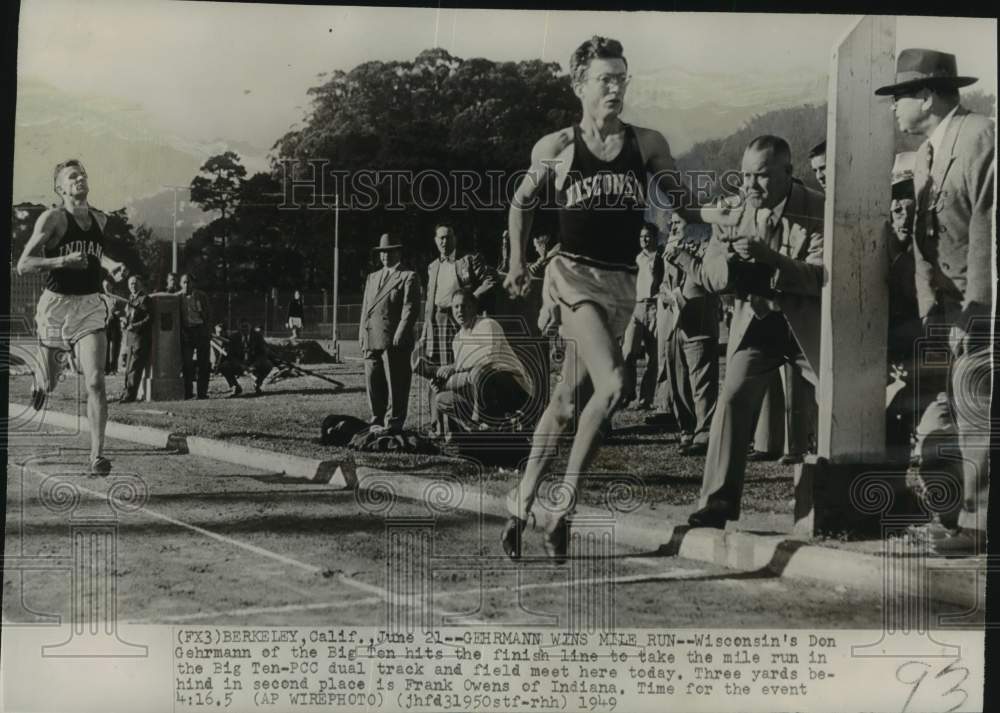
(917, 68)
(385, 243)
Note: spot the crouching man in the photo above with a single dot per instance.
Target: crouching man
(246, 351)
(487, 382)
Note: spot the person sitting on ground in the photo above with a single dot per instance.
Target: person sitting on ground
(487, 383)
(246, 351)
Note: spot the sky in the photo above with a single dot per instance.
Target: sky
(241, 71)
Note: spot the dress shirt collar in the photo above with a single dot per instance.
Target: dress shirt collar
(937, 136)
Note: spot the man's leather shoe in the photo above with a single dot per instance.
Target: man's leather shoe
(510, 538)
(790, 459)
(708, 516)
(755, 456)
(557, 541)
(694, 449)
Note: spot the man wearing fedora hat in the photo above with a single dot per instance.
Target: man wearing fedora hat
(953, 178)
(388, 314)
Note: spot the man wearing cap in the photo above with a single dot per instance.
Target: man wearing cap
(388, 313)
(953, 179)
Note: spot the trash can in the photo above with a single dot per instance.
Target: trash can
(164, 382)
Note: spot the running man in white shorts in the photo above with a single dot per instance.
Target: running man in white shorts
(601, 169)
(68, 245)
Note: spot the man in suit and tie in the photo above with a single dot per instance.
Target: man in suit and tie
(446, 275)
(773, 262)
(954, 176)
(388, 314)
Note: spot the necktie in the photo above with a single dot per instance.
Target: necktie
(924, 185)
(382, 278)
(766, 233)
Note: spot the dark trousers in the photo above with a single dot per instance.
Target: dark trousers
(748, 371)
(232, 369)
(695, 383)
(195, 341)
(640, 339)
(801, 412)
(114, 345)
(138, 360)
(387, 381)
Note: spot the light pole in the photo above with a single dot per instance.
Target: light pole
(173, 262)
(336, 272)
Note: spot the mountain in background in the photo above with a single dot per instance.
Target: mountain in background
(690, 107)
(129, 158)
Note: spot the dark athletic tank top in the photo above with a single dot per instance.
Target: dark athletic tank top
(91, 243)
(602, 205)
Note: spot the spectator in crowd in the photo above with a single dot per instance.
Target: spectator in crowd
(388, 315)
(487, 382)
(694, 360)
(296, 314)
(218, 347)
(817, 162)
(138, 339)
(113, 327)
(954, 180)
(773, 261)
(246, 351)
(666, 415)
(640, 334)
(172, 286)
(446, 275)
(195, 339)
(545, 249)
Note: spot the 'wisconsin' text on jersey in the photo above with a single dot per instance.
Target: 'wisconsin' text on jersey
(605, 190)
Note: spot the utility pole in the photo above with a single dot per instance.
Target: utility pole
(173, 253)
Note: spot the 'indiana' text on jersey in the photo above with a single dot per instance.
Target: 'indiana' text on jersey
(605, 190)
(87, 247)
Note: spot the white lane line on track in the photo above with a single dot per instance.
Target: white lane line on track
(676, 573)
(380, 592)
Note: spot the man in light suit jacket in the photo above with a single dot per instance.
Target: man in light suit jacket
(446, 275)
(954, 178)
(388, 313)
(773, 262)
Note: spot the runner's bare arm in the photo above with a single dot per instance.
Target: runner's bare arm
(544, 157)
(51, 225)
(667, 177)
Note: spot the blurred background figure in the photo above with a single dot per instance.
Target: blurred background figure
(113, 327)
(295, 314)
(195, 339)
(138, 338)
